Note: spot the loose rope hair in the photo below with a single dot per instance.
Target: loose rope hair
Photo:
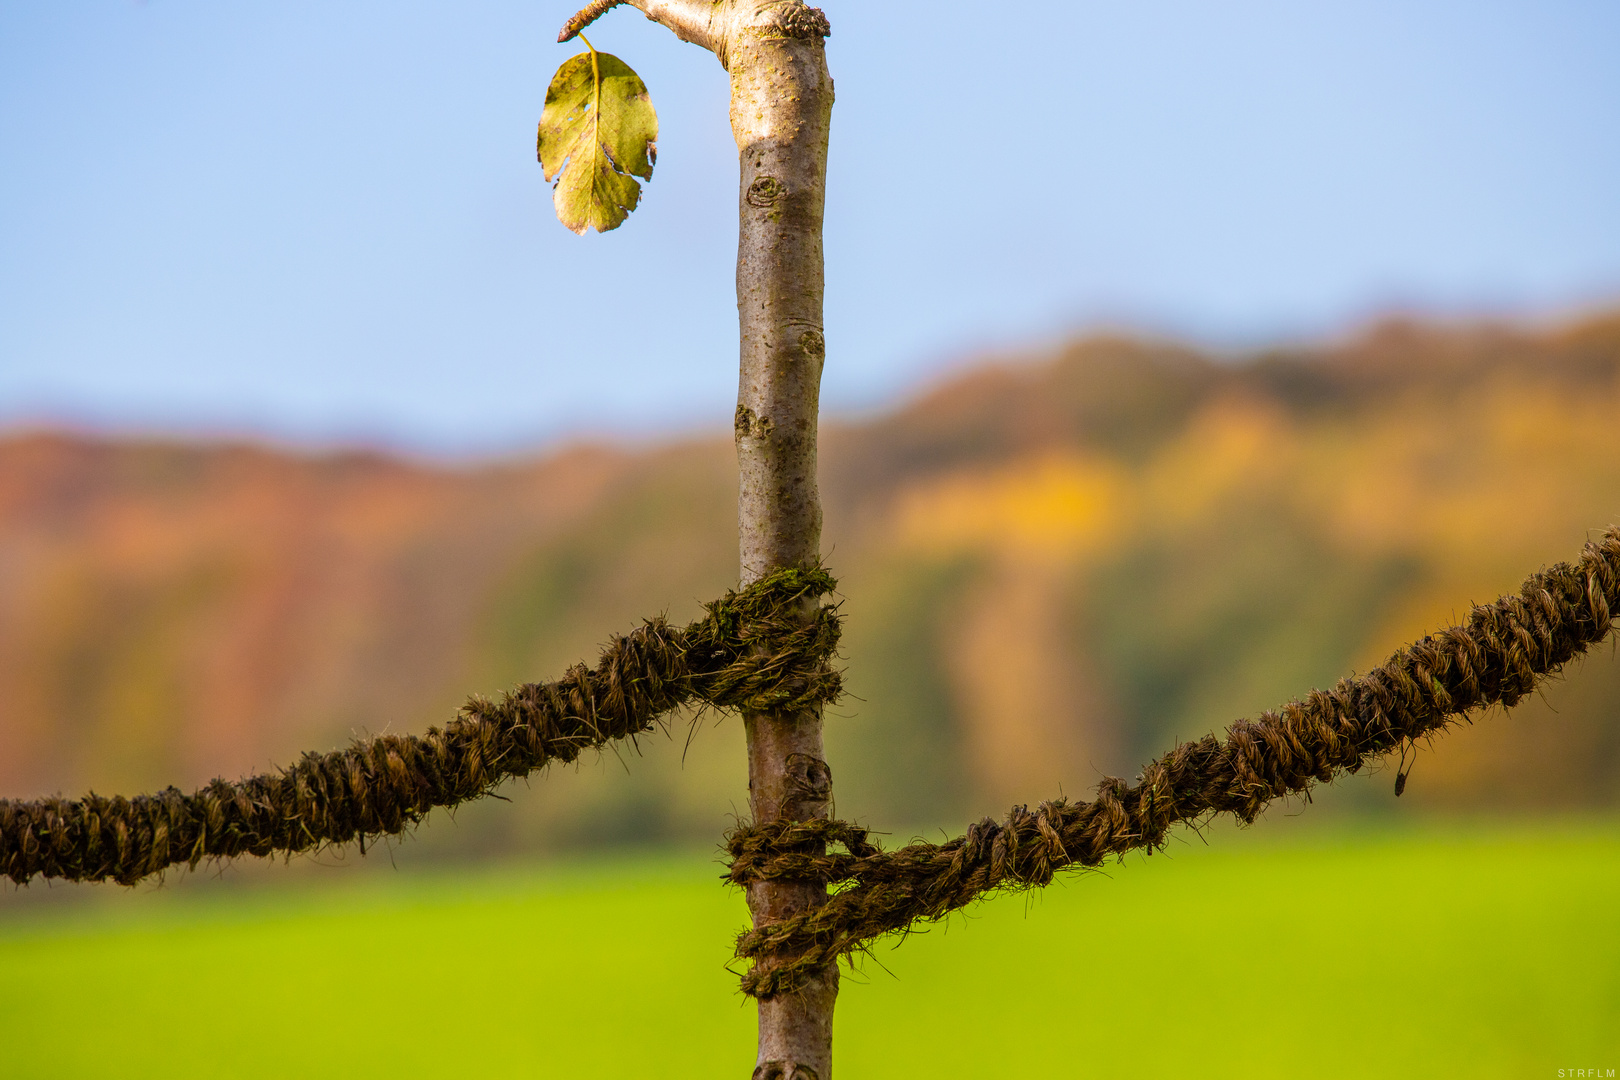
(767, 647)
(1497, 656)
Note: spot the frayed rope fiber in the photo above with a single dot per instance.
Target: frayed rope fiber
(764, 648)
(1496, 657)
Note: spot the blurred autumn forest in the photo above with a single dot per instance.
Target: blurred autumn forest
(1053, 568)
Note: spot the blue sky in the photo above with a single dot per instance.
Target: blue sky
(323, 220)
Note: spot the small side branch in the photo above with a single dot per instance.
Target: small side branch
(697, 21)
(584, 17)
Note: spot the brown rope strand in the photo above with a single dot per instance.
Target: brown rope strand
(1497, 656)
(754, 650)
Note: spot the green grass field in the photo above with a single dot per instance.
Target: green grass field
(1476, 951)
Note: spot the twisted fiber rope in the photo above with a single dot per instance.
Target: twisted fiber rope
(763, 648)
(1496, 657)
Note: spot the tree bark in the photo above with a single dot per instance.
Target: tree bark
(781, 108)
(781, 105)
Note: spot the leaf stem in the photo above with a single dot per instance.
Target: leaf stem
(596, 78)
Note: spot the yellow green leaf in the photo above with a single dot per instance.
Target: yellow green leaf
(598, 132)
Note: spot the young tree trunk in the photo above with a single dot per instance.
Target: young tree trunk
(781, 107)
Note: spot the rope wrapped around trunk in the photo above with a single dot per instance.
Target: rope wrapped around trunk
(767, 647)
(1497, 656)
(770, 647)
